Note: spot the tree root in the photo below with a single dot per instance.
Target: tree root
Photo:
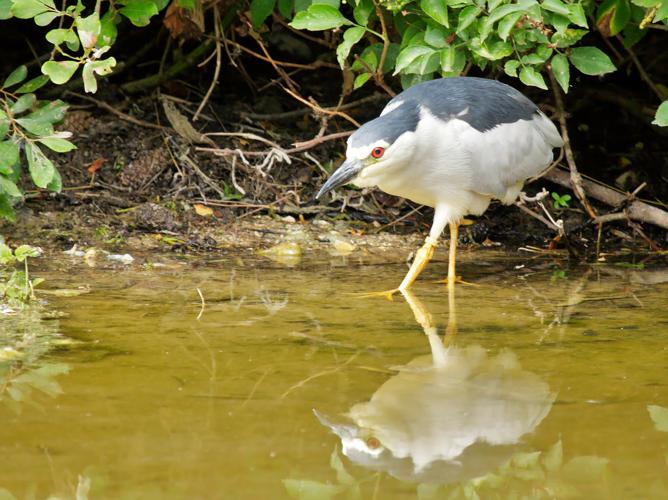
(630, 208)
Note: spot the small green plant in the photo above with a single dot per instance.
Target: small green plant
(18, 288)
(230, 193)
(561, 201)
(559, 274)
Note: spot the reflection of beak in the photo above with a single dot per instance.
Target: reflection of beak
(347, 171)
(344, 431)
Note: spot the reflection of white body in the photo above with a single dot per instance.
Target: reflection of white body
(446, 417)
(430, 413)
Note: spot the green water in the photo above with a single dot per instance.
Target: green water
(555, 384)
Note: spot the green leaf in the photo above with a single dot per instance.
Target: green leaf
(576, 15)
(659, 414)
(40, 167)
(436, 35)
(661, 12)
(24, 251)
(556, 6)
(499, 13)
(492, 51)
(510, 67)
(409, 54)
(591, 61)
(507, 24)
(661, 118)
(307, 489)
(56, 184)
(612, 16)
(139, 12)
(529, 76)
(108, 29)
(4, 127)
(452, 61)
(60, 35)
(285, 7)
(6, 254)
(59, 71)
(5, 9)
(27, 9)
(32, 85)
(57, 144)
(91, 68)
(23, 103)
(585, 469)
(437, 10)
(46, 18)
(9, 156)
(318, 18)
(350, 37)
(361, 79)
(261, 10)
(646, 3)
(36, 127)
(6, 210)
(362, 11)
(52, 112)
(568, 38)
(88, 28)
(8, 188)
(554, 457)
(16, 76)
(466, 16)
(561, 71)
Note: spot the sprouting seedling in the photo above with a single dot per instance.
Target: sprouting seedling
(18, 286)
(561, 201)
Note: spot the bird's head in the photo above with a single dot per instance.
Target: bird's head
(378, 147)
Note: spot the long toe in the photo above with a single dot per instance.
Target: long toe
(458, 280)
(387, 294)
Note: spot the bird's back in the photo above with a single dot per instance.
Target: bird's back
(506, 139)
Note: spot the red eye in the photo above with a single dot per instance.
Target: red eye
(377, 152)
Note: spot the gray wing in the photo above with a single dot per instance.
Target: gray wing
(502, 158)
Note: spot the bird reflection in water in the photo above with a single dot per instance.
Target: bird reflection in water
(456, 414)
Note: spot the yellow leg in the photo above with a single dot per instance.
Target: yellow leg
(452, 258)
(422, 257)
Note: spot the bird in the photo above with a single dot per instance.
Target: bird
(452, 144)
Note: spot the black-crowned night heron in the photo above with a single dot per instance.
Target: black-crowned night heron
(452, 144)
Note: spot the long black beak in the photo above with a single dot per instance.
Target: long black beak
(346, 172)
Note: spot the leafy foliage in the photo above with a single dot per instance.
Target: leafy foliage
(422, 39)
(26, 124)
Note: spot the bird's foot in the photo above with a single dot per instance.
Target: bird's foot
(387, 294)
(458, 279)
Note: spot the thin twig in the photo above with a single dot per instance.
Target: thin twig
(201, 298)
(318, 109)
(120, 114)
(314, 65)
(287, 115)
(216, 71)
(378, 74)
(576, 179)
(397, 221)
(641, 70)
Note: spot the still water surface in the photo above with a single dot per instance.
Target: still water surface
(553, 383)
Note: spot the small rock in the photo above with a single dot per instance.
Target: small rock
(288, 253)
(125, 258)
(74, 251)
(155, 217)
